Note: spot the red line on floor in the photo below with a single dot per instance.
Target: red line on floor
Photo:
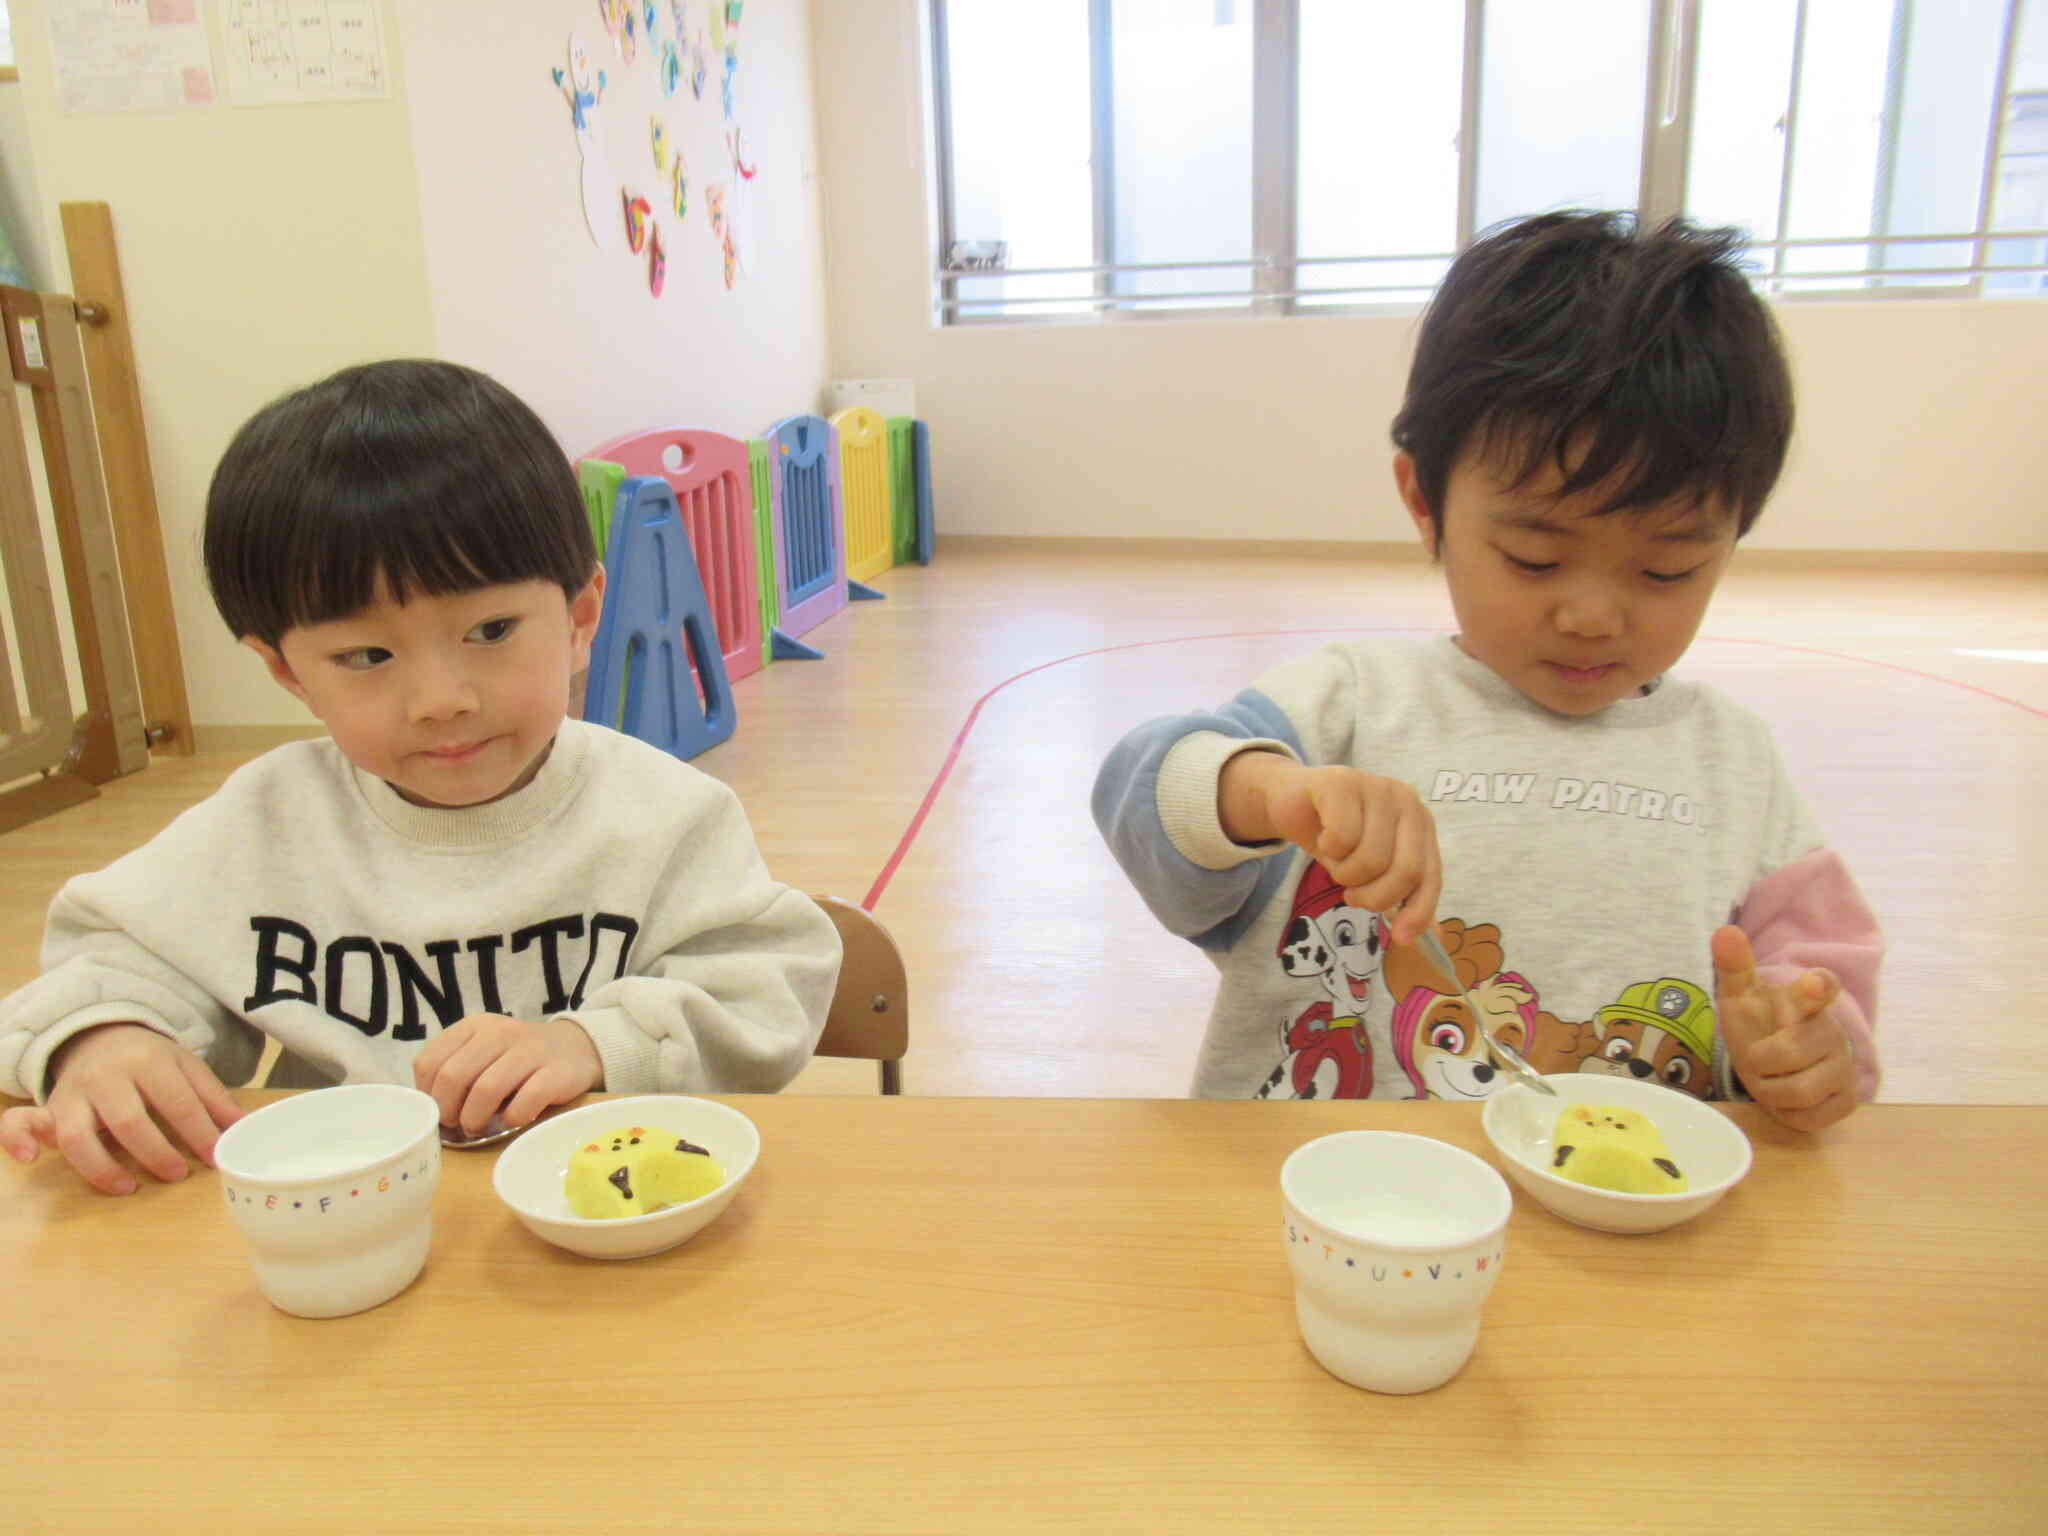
(945, 772)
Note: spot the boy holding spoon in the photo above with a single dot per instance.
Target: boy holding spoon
(1596, 413)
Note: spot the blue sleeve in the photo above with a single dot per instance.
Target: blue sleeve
(1210, 907)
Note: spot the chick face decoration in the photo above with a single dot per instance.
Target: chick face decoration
(634, 1171)
(1611, 1147)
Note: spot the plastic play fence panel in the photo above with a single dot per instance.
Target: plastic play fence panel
(910, 489)
(902, 488)
(810, 554)
(759, 466)
(599, 483)
(713, 486)
(927, 519)
(655, 662)
(864, 483)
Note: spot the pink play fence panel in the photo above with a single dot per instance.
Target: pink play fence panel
(714, 489)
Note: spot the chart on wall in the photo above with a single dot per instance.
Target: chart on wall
(158, 55)
(129, 55)
(653, 96)
(277, 51)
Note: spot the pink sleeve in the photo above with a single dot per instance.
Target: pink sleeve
(1810, 913)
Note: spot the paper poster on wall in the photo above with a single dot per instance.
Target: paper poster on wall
(654, 63)
(277, 52)
(129, 55)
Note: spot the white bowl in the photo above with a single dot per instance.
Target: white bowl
(528, 1177)
(1709, 1147)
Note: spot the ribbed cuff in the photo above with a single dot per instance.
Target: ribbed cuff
(1188, 777)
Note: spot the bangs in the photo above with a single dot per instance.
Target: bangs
(1631, 466)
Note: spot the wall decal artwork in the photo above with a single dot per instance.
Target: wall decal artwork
(653, 46)
(582, 83)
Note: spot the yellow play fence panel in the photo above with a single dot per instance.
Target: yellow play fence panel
(864, 485)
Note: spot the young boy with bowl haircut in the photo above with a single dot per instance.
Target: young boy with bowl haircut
(459, 887)
(1627, 879)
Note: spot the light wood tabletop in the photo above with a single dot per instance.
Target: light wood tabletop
(955, 1315)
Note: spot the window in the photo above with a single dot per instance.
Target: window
(1120, 158)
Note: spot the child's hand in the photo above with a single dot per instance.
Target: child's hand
(118, 1080)
(1374, 835)
(1791, 1053)
(487, 1064)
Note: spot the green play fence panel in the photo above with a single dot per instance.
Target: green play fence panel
(764, 538)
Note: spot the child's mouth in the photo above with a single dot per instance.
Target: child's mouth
(1583, 674)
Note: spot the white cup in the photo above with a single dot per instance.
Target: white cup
(1395, 1242)
(334, 1190)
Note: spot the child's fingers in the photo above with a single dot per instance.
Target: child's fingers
(1815, 992)
(180, 1102)
(1734, 964)
(1341, 823)
(549, 1086)
(23, 1130)
(1293, 813)
(219, 1104)
(1816, 1095)
(467, 1050)
(77, 1136)
(497, 1084)
(126, 1111)
(1418, 848)
(427, 1065)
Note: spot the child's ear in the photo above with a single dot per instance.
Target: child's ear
(1409, 484)
(585, 609)
(280, 669)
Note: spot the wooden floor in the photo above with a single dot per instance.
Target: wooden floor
(1911, 705)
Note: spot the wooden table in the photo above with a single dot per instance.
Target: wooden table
(954, 1315)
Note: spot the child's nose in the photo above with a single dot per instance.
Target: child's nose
(1591, 613)
(440, 693)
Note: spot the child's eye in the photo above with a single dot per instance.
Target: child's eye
(1529, 567)
(362, 658)
(1672, 578)
(491, 631)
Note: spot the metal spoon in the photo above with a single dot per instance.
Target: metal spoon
(452, 1136)
(1503, 1053)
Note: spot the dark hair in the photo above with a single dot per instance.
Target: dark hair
(1638, 358)
(427, 475)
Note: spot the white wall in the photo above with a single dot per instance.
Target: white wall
(519, 287)
(1919, 427)
(263, 247)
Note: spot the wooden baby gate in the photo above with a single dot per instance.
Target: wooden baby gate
(74, 355)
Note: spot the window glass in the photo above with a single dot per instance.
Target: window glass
(2020, 190)
(1381, 92)
(1183, 146)
(1935, 180)
(1019, 146)
(1561, 106)
(1742, 95)
(1838, 141)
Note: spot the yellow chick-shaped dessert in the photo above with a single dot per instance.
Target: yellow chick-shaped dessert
(1610, 1147)
(637, 1170)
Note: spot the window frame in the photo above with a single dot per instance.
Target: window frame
(1275, 286)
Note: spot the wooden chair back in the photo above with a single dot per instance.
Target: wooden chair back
(870, 1017)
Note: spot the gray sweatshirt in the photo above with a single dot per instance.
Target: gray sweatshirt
(309, 902)
(1587, 862)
